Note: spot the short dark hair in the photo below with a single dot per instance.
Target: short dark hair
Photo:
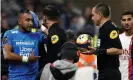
(104, 9)
(51, 11)
(127, 12)
(23, 11)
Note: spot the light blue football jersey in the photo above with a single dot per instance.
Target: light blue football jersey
(23, 44)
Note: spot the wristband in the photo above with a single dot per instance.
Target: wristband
(25, 59)
(43, 28)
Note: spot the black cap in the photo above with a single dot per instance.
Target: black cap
(69, 51)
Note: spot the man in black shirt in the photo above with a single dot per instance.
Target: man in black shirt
(108, 62)
(56, 35)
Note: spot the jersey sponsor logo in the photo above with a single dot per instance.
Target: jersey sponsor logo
(113, 34)
(54, 39)
(24, 51)
(24, 43)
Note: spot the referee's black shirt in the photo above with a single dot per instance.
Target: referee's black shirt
(108, 37)
(56, 38)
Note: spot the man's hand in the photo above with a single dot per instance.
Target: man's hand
(97, 51)
(33, 58)
(44, 29)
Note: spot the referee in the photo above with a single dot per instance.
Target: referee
(56, 36)
(108, 63)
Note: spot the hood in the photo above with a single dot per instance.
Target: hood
(65, 66)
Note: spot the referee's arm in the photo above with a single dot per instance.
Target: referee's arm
(112, 46)
(114, 43)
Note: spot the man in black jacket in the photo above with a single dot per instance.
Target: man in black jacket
(56, 35)
(108, 63)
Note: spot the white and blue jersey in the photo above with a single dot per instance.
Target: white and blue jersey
(23, 44)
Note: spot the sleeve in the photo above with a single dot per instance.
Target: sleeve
(46, 74)
(7, 38)
(57, 38)
(113, 38)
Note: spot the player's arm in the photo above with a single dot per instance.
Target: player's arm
(9, 55)
(7, 50)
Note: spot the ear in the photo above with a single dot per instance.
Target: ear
(100, 14)
(19, 21)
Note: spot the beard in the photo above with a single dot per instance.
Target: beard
(28, 29)
(127, 27)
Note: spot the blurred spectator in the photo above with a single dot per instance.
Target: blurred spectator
(4, 63)
(66, 15)
(4, 23)
(87, 16)
(74, 23)
(87, 22)
(10, 6)
(70, 35)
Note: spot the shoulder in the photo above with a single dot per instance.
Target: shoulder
(7, 32)
(46, 67)
(12, 31)
(122, 34)
(110, 26)
(57, 29)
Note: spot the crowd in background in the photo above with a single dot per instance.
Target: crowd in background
(71, 17)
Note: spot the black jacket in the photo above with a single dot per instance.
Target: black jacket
(56, 38)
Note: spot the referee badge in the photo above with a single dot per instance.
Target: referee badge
(113, 34)
(54, 39)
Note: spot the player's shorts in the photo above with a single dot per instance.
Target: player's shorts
(109, 74)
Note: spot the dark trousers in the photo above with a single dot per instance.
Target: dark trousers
(109, 74)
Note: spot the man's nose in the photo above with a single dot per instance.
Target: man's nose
(126, 22)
